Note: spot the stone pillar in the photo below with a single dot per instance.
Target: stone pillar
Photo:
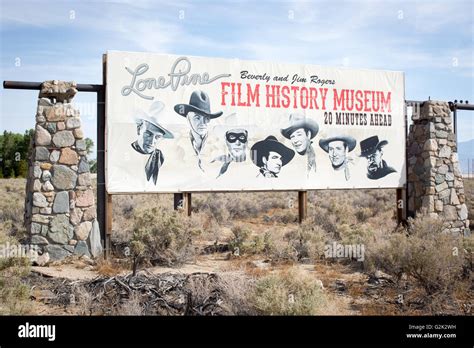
(60, 212)
(435, 183)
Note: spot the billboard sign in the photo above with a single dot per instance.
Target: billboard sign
(185, 124)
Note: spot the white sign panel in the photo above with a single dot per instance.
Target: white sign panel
(179, 123)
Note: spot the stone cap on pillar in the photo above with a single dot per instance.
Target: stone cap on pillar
(433, 108)
(59, 90)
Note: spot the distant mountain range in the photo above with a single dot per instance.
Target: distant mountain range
(466, 156)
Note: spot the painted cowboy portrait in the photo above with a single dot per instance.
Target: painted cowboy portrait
(270, 156)
(149, 134)
(300, 130)
(371, 148)
(236, 142)
(338, 148)
(198, 113)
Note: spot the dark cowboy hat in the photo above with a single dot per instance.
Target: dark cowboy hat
(297, 121)
(350, 142)
(370, 145)
(199, 103)
(263, 147)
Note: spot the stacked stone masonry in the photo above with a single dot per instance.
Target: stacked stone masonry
(435, 183)
(60, 212)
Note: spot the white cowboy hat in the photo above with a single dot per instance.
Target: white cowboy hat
(156, 111)
(297, 121)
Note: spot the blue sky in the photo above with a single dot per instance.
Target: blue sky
(431, 41)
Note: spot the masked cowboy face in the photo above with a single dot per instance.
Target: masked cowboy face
(374, 161)
(300, 139)
(198, 123)
(149, 136)
(236, 141)
(337, 153)
(273, 163)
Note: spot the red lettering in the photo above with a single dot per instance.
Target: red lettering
(323, 92)
(339, 100)
(255, 96)
(386, 103)
(285, 90)
(304, 97)
(350, 98)
(366, 100)
(239, 94)
(294, 89)
(313, 94)
(358, 97)
(223, 91)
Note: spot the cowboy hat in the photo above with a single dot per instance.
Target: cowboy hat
(370, 145)
(348, 140)
(297, 121)
(199, 103)
(155, 111)
(263, 147)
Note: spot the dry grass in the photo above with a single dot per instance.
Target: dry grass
(12, 202)
(109, 267)
(84, 301)
(469, 193)
(132, 306)
(263, 226)
(14, 294)
(289, 293)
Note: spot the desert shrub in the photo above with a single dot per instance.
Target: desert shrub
(331, 208)
(236, 290)
(225, 206)
(127, 207)
(239, 240)
(214, 206)
(326, 221)
(289, 293)
(242, 242)
(363, 214)
(277, 247)
(284, 216)
(423, 252)
(342, 211)
(355, 234)
(375, 200)
(211, 227)
(259, 243)
(307, 241)
(124, 209)
(163, 237)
